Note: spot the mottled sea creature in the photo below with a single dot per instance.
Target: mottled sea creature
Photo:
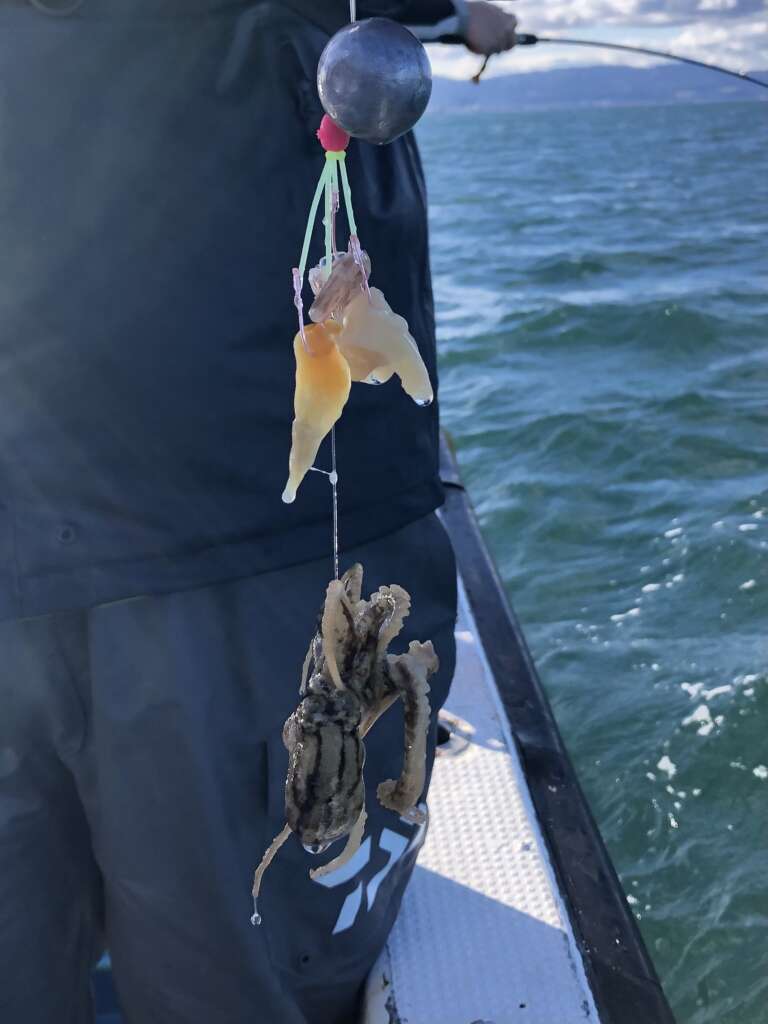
(348, 681)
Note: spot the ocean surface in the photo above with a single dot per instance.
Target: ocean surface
(601, 284)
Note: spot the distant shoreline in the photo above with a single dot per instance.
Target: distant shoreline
(599, 86)
(587, 105)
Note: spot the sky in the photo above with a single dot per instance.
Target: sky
(729, 32)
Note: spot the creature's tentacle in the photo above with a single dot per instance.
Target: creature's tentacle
(351, 847)
(353, 583)
(364, 671)
(306, 666)
(409, 674)
(335, 628)
(394, 621)
(266, 860)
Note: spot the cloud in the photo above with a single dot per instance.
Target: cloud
(448, 62)
(742, 44)
(717, 5)
(729, 32)
(572, 13)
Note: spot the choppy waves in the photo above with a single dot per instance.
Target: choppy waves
(601, 285)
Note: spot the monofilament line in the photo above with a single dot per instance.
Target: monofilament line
(331, 191)
(330, 188)
(334, 478)
(330, 182)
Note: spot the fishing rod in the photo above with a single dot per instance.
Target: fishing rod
(529, 39)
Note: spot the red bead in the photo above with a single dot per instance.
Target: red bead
(332, 137)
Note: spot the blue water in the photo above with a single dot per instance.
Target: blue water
(601, 282)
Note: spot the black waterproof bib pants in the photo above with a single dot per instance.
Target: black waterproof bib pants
(141, 778)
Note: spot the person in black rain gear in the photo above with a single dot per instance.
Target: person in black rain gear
(156, 597)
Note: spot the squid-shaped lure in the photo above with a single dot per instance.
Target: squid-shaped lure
(377, 343)
(355, 335)
(323, 382)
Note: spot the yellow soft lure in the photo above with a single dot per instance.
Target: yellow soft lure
(323, 381)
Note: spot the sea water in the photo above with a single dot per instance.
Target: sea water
(601, 286)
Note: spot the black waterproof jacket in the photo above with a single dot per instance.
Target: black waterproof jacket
(157, 161)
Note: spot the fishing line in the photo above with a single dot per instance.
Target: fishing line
(335, 165)
(334, 479)
(529, 39)
(328, 187)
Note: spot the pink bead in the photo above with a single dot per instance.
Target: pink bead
(332, 137)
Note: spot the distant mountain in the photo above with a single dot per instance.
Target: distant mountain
(603, 85)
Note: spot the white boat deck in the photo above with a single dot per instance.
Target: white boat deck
(483, 936)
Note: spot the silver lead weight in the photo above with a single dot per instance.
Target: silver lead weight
(374, 80)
